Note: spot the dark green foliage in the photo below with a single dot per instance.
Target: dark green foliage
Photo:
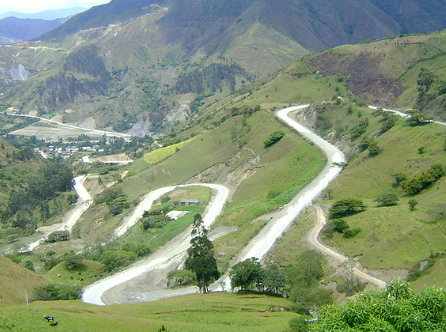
(58, 236)
(115, 199)
(298, 324)
(114, 259)
(397, 308)
(140, 249)
(425, 80)
(275, 280)
(412, 203)
(359, 129)
(211, 78)
(45, 184)
(54, 292)
(346, 207)
(342, 227)
(399, 178)
(29, 265)
(387, 200)
(274, 138)
(201, 260)
(72, 262)
(247, 274)
(388, 122)
(87, 61)
(424, 180)
(351, 232)
(180, 278)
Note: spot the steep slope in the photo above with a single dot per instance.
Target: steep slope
(142, 48)
(16, 282)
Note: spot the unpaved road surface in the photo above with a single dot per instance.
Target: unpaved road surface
(71, 217)
(147, 276)
(164, 259)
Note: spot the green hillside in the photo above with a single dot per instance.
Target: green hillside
(16, 283)
(213, 312)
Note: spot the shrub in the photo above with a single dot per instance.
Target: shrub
(274, 138)
(54, 292)
(58, 236)
(387, 200)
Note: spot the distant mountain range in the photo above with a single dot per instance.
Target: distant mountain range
(131, 60)
(48, 15)
(16, 27)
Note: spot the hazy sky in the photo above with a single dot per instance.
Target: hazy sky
(33, 6)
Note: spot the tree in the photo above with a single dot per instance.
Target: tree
(246, 274)
(346, 207)
(387, 200)
(425, 80)
(275, 279)
(201, 258)
(412, 203)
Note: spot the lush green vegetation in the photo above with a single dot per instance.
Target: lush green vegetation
(397, 308)
(160, 154)
(215, 312)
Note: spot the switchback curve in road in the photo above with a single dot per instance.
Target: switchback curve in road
(175, 251)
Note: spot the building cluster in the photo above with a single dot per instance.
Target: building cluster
(65, 151)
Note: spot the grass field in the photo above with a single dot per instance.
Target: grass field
(391, 237)
(215, 312)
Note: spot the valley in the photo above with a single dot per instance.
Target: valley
(154, 150)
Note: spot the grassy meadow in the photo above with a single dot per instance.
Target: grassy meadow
(215, 312)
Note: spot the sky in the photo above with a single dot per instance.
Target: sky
(34, 6)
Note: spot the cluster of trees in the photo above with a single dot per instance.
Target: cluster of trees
(424, 180)
(273, 138)
(115, 199)
(359, 129)
(249, 274)
(342, 227)
(210, 78)
(396, 309)
(58, 236)
(127, 254)
(300, 281)
(37, 190)
(55, 292)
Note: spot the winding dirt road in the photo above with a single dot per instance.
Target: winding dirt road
(171, 255)
(71, 217)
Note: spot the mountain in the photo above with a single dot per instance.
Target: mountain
(13, 30)
(124, 62)
(47, 15)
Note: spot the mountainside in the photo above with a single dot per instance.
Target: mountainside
(48, 15)
(144, 49)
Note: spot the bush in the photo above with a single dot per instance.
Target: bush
(114, 259)
(387, 200)
(54, 292)
(58, 236)
(351, 232)
(274, 138)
